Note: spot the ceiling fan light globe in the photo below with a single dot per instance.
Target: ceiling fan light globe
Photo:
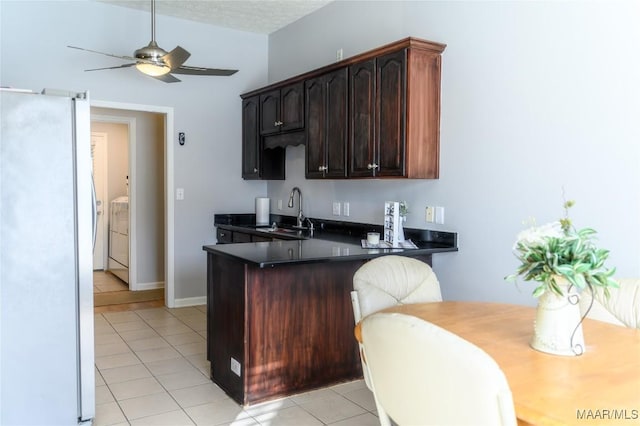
(153, 70)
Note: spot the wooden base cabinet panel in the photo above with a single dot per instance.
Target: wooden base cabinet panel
(290, 327)
(225, 323)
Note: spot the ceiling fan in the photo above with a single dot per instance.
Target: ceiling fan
(156, 62)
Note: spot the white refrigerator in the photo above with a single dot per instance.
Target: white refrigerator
(47, 374)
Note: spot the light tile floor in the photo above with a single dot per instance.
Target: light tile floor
(151, 369)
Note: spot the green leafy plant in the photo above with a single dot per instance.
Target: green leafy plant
(404, 208)
(559, 249)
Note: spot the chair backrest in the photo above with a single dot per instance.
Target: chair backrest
(391, 280)
(425, 375)
(622, 307)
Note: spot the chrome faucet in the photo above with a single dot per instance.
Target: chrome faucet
(300, 220)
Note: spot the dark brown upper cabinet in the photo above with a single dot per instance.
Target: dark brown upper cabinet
(250, 139)
(395, 115)
(258, 162)
(326, 110)
(282, 110)
(388, 106)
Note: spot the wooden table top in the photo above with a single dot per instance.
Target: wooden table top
(602, 386)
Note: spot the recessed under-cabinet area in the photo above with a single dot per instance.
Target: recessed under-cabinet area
(374, 115)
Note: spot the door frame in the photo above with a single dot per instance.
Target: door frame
(169, 251)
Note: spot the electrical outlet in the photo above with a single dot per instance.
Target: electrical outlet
(430, 214)
(345, 208)
(279, 204)
(336, 209)
(179, 193)
(339, 55)
(236, 367)
(440, 215)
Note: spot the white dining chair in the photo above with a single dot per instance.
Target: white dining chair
(425, 375)
(388, 281)
(622, 307)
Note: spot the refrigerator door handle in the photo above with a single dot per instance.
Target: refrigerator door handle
(94, 211)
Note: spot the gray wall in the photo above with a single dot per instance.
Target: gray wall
(537, 98)
(33, 55)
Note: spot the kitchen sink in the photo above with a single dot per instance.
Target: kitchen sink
(284, 230)
(294, 233)
(278, 230)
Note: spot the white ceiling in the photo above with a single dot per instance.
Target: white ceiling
(259, 16)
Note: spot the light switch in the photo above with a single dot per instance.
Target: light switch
(179, 193)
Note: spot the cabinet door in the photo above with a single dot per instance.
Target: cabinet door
(292, 107)
(362, 155)
(250, 139)
(326, 125)
(241, 237)
(315, 129)
(224, 236)
(270, 112)
(391, 117)
(336, 123)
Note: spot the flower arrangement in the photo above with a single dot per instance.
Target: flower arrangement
(559, 249)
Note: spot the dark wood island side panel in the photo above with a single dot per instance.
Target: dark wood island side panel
(300, 328)
(290, 327)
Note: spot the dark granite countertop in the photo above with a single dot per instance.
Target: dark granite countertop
(330, 241)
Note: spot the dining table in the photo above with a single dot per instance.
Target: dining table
(599, 387)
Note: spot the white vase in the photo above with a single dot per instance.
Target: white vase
(558, 327)
(401, 228)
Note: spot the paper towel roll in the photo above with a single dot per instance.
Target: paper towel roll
(262, 211)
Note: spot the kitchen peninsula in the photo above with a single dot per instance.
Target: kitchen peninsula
(279, 315)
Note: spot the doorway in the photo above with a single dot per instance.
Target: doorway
(131, 134)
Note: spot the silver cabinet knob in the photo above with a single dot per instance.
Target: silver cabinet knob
(372, 166)
(255, 170)
(323, 168)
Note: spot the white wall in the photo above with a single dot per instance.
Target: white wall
(537, 98)
(117, 157)
(33, 55)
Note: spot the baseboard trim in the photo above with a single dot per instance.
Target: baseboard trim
(190, 301)
(150, 286)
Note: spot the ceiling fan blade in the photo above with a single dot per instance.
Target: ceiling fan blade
(130, 58)
(202, 71)
(167, 78)
(113, 68)
(176, 57)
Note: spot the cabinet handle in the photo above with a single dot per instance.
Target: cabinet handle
(278, 123)
(255, 170)
(323, 168)
(372, 166)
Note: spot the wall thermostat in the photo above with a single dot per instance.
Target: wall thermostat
(181, 138)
